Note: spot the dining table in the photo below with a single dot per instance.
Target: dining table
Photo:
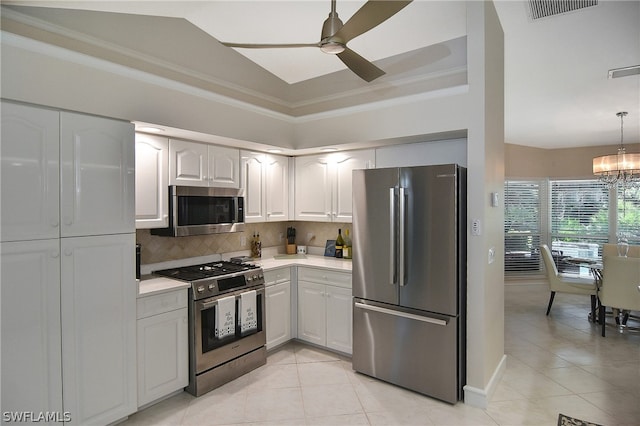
(596, 270)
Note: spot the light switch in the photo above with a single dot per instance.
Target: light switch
(492, 255)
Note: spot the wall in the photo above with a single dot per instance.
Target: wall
(160, 249)
(526, 162)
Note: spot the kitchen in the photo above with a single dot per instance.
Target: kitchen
(135, 93)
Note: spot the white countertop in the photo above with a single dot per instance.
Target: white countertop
(152, 284)
(340, 265)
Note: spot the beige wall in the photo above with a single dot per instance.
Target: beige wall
(526, 162)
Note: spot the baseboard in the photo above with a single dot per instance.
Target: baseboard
(480, 397)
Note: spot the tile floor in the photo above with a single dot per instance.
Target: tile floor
(555, 364)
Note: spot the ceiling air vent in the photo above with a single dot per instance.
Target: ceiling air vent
(545, 8)
(624, 72)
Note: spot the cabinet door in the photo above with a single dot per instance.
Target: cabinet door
(188, 163)
(99, 328)
(152, 180)
(30, 173)
(224, 167)
(97, 175)
(252, 182)
(163, 351)
(339, 319)
(313, 189)
(31, 338)
(278, 305)
(342, 187)
(311, 313)
(277, 188)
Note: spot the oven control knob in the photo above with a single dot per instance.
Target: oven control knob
(200, 289)
(255, 277)
(249, 278)
(211, 287)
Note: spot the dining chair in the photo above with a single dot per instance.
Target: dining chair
(567, 284)
(612, 250)
(620, 284)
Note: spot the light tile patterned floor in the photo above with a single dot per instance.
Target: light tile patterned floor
(555, 364)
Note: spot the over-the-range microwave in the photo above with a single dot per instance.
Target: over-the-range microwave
(195, 210)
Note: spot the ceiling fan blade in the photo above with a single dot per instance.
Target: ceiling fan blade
(269, 46)
(359, 65)
(371, 14)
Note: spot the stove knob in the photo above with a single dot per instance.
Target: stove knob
(200, 289)
(249, 278)
(211, 287)
(261, 276)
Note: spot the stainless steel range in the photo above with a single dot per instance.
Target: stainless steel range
(226, 322)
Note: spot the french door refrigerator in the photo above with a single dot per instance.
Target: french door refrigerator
(409, 277)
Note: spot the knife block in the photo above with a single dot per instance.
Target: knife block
(291, 249)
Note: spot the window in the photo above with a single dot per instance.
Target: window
(579, 217)
(574, 217)
(628, 214)
(522, 226)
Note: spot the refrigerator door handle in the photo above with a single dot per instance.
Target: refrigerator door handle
(401, 236)
(393, 272)
(400, 314)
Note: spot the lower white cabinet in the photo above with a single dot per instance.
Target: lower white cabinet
(31, 335)
(163, 345)
(278, 306)
(324, 308)
(98, 300)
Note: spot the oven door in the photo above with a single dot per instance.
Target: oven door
(210, 350)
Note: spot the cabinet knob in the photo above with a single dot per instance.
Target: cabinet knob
(54, 223)
(55, 254)
(67, 221)
(68, 252)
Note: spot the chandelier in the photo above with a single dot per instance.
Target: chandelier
(621, 168)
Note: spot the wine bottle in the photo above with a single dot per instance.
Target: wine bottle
(339, 244)
(346, 251)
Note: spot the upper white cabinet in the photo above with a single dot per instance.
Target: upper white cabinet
(198, 164)
(97, 173)
(30, 173)
(31, 334)
(152, 180)
(265, 179)
(323, 185)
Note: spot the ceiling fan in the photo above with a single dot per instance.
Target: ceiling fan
(335, 35)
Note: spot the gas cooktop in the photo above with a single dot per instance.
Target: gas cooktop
(205, 271)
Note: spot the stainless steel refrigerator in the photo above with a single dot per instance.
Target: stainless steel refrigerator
(409, 277)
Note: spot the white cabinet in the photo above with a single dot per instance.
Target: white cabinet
(278, 306)
(30, 173)
(323, 190)
(31, 335)
(324, 308)
(198, 164)
(163, 345)
(98, 299)
(265, 179)
(70, 297)
(152, 180)
(97, 174)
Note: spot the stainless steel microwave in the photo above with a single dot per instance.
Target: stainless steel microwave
(195, 210)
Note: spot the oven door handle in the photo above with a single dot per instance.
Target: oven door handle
(208, 305)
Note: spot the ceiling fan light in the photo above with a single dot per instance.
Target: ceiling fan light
(332, 47)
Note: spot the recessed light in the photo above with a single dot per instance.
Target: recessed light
(329, 149)
(150, 129)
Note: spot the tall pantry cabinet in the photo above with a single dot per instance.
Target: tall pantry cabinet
(68, 264)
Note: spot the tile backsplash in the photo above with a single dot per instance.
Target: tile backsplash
(157, 249)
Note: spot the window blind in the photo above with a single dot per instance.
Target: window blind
(579, 217)
(628, 214)
(522, 227)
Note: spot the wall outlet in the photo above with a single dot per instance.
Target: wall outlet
(243, 241)
(310, 236)
(280, 237)
(475, 227)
